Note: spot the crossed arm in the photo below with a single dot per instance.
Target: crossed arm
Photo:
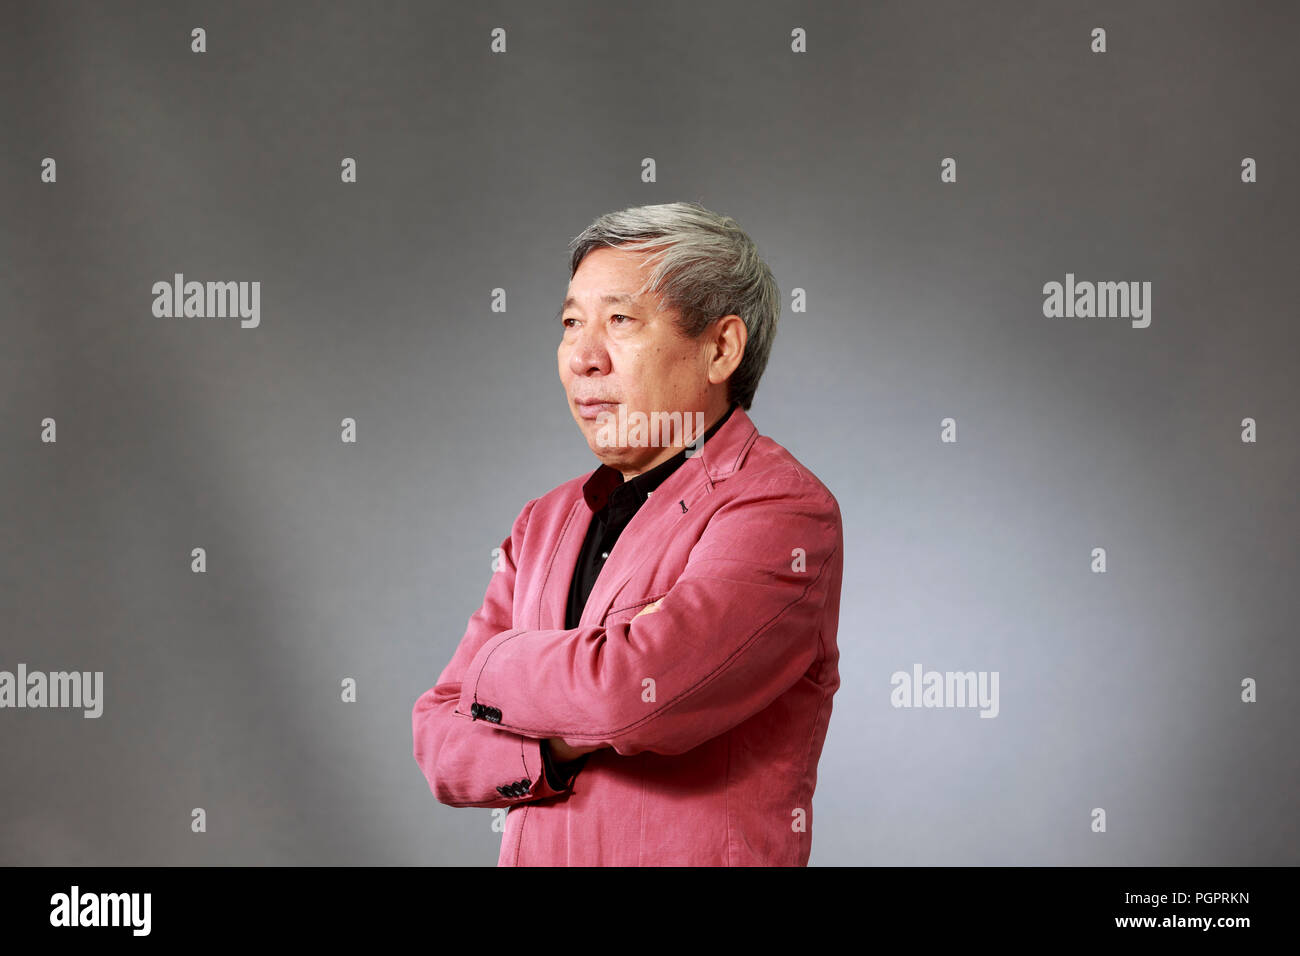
(739, 627)
(560, 751)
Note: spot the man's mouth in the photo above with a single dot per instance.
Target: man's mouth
(592, 408)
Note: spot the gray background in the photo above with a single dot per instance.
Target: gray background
(325, 560)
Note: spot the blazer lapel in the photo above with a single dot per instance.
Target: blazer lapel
(553, 607)
(657, 521)
(649, 531)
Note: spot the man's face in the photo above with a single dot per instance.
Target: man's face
(628, 352)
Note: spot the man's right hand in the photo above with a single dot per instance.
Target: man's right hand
(563, 753)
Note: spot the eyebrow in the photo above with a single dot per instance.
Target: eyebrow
(609, 298)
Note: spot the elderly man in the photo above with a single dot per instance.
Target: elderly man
(649, 678)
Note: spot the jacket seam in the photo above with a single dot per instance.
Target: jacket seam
(726, 789)
(518, 631)
(519, 834)
(638, 603)
(807, 762)
(640, 846)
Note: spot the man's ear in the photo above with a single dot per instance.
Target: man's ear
(728, 347)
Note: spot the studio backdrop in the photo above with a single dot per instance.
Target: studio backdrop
(1038, 337)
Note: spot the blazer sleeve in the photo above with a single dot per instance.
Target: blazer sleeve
(739, 626)
(471, 763)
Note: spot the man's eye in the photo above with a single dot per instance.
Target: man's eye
(565, 322)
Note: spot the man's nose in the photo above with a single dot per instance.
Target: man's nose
(588, 352)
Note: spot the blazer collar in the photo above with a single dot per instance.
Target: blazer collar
(724, 453)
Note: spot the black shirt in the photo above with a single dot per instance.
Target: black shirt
(614, 502)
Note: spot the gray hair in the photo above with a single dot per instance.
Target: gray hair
(706, 267)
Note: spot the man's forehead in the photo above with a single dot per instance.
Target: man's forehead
(605, 298)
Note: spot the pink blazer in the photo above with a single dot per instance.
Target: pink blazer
(713, 708)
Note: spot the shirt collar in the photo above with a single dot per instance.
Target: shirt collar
(606, 484)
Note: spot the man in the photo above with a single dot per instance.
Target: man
(649, 678)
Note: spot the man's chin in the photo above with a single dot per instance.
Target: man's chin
(614, 457)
